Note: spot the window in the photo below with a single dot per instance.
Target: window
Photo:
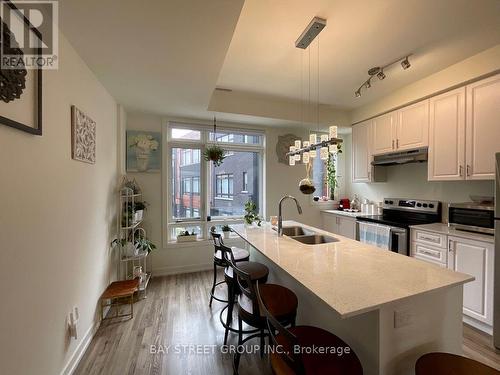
(320, 175)
(224, 186)
(184, 198)
(198, 189)
(245, 182)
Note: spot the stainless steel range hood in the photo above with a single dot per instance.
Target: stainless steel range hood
(418, 155)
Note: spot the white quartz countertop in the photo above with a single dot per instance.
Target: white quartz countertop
(351, 277)
(346, 213)
(445, 229)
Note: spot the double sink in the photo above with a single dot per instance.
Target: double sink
(307, 236)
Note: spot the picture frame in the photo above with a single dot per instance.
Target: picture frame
(83, 136)
(36, 127)
(143, 151)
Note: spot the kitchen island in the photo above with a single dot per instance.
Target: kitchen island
(388, 307)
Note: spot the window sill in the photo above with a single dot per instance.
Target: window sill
(325, 204)
(201, 242)
(223, 199)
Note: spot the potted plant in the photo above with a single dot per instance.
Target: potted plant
(215, 154)
(128, 249)
(143, 244)
(139, 208)
(331, 171)
(251, 214)
(226, 230)
(187, 237)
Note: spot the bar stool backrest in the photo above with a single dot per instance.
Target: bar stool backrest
(245, 283)
(219, 246)
(275, 328)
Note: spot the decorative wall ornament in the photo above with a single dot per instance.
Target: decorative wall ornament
(20, 88)
(283, 146)
(83, 136)
(143, 151)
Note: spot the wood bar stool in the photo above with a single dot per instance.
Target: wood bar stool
(256, 271)
(284, 303)
(219, 261)
(451, 364)
(288, 362)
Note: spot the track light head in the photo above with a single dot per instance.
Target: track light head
(357, 93)
(405, 63)
(381, 75)
(368, 84)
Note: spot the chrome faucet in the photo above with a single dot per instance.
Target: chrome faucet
(280, 216)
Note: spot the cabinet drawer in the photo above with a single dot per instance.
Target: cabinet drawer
(429, 253)
(429, 238)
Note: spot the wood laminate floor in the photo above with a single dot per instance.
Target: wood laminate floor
(175, 332)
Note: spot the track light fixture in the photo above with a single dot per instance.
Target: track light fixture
(379, 72)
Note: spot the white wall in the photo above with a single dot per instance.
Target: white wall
(280, 179)
(56, 223)
(410, 181)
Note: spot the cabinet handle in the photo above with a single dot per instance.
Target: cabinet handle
(397, 143)
(435, 240)
(461, 171)
(468, 170)
(393, 144)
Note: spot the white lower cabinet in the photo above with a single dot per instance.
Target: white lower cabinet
(336, 224)
(464, 255)
(474, 258)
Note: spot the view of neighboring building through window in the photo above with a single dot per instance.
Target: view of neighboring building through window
(223, 191)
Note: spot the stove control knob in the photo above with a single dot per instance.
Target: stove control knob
(431, 205)
(391, 202)
(419, 204)
(386, 202)
(425, 205)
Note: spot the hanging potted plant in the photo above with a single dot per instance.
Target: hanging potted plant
(331, 171)
(215, 153)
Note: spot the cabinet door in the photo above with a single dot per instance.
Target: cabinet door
(384, 131)
(447, 136)
(413, 126)
(474, 258)
(482, 128)
(347, 227)
(330, 222)
(361, 155)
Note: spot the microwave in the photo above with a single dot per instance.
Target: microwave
(472, 217)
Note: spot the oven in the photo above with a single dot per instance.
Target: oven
(472, 217)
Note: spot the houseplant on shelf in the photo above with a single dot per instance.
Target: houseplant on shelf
(215, 154)
(187, 237)
(139, 209)
(226, 230)
(331, 171)
(251, 214)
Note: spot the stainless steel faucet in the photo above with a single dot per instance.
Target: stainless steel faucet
(280, 216)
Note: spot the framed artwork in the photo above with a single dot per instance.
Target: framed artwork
(143, 151)
(21, 89)
(83, 136)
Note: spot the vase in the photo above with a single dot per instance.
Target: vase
(142, 158)
(226, 234)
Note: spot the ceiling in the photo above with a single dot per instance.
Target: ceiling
(156, 56)
(167, 57)
(359, 34)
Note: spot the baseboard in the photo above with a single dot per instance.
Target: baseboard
(176, 270)
(478, 325)
(82, 347)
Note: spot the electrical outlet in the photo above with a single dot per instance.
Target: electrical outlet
(73, 318)
(403, 318)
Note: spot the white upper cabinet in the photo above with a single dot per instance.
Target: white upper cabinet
(447, 136)
(412, 128)
(361, 155)
(384, 133)
(482, 128)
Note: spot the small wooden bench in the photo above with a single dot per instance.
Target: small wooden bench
(119, 293)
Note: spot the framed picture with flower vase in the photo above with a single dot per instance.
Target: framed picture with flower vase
(143, 151)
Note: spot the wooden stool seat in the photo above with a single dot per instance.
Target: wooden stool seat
(281, 302)
(317, 363)
(451, 364)
(257, 271)
(119, 293)
(239, 255)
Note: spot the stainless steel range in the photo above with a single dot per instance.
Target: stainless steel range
(390, 230)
